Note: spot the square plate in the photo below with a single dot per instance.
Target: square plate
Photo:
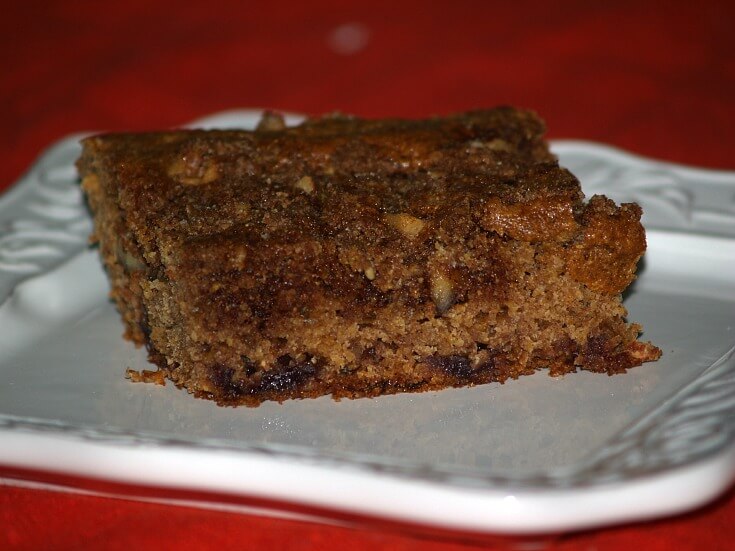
(534, 455)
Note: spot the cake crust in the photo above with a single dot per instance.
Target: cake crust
(358, 258)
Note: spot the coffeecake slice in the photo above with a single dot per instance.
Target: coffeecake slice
(355, 258)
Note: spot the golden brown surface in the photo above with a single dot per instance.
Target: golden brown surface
(357, 258)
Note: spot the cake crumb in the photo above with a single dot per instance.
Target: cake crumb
(146, 376)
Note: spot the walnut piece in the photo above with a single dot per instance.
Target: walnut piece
(193, 171)
(305, 184)
(408, 225)
(442, 291)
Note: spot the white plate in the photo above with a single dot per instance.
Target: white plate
(533, 455)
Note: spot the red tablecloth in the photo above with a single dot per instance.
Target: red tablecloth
(654, 78)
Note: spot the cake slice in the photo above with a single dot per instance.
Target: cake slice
(357, 258)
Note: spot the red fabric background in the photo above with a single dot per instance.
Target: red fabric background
(654, 78)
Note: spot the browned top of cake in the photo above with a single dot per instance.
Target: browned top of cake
(339, 194)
